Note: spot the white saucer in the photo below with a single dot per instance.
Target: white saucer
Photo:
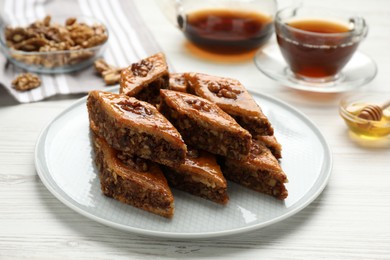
(360, 70)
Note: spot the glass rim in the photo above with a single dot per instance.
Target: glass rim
(279, 21)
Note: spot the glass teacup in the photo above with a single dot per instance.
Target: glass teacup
(317, 43)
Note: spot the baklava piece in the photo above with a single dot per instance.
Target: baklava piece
(272, 144)
(145, 78)
(177, 82)
(204, 125)
(135, 127)
(232, 97)
(132, 180)
(260, 172)
(199, 175)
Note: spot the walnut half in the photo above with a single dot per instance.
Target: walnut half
(134, 107)
(141, 69)
(110, 74)
(26, 81)
(198, 104)
(223, 89)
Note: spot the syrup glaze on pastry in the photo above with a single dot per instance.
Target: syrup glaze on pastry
(145, 78)
(232, 97)
(204, 125)
(260, 172)
(132, 180)
(135, 127)
(199, 175)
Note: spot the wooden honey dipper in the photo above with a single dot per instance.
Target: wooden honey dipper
(373, 112)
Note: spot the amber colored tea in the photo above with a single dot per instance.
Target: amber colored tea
(227, 31)
(318, 50)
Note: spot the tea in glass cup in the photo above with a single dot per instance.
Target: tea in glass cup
(316, 43)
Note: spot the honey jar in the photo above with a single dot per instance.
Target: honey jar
(351, 109)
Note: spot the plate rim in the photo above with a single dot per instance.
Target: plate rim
(292, 85)
(322, 180)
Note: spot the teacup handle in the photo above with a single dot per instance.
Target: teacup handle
(360, 26)
(180, 16)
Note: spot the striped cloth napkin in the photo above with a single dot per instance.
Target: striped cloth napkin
(130, 40)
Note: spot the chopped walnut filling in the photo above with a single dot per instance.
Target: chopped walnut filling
(141, 69)
(255, 150)
(192, 153)
(223, 89)
(26, 81)
(186, 181)
(133, 139)
(134, 162)
(259, 180)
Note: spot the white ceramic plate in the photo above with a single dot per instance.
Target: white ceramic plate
(64, 162)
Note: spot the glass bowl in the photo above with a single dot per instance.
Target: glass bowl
(351, 106)
(57, 61)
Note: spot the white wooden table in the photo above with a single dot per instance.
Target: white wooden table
(349, 220)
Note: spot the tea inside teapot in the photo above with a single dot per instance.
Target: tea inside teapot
(223, 26)
(226, 30)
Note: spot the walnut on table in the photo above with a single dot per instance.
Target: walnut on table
(110, 73)
(26, 81)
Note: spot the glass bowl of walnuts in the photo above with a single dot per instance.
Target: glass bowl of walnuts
(59, 45)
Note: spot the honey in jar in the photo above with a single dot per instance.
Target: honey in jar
(367, 128)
